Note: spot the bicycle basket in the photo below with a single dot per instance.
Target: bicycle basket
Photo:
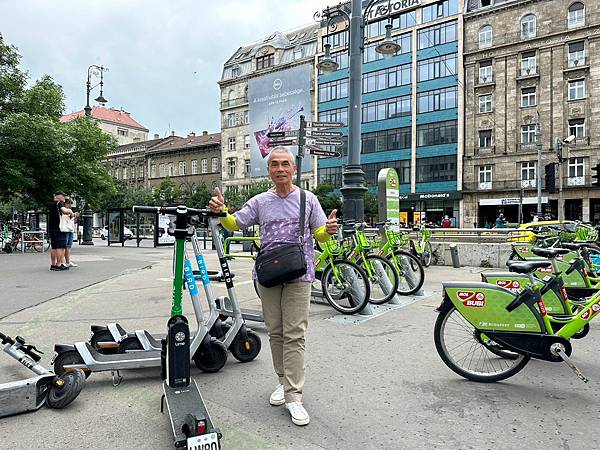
(362, 240)
(332, 246)
(396, 238)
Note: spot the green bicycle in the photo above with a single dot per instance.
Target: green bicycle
(410, 270)
(421, 246)
(486, 333)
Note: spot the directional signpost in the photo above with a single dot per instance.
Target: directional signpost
(318, 151)
(335, 142)
(315, 133)
(324, 125)
(280, 143)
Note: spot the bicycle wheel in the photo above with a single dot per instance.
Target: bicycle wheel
(37, 244)
(426, 256)
(345, 286)
(411, 275)
(377, 268)
(462, 350)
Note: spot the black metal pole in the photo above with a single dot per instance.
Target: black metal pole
(300, 155)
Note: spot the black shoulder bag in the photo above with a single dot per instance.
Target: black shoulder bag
(285, 263)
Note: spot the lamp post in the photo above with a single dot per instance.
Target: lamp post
(89, 87)
(353, 177)
(561, 157)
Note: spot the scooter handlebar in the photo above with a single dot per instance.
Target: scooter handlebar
(173, 210)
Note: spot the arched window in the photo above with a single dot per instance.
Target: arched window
(528, 26)
(485, 36)
(231, 95)
(576, 15)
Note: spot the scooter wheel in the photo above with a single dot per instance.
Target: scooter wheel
(129, 344)
(66, 359)
(243, 352)
(211, 358)
(103, 336)
(65, 388)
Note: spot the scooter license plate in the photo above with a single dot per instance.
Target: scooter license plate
(208, 441)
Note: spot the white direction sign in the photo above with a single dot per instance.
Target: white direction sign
(335, 142)
(324, 124)
(315, 133)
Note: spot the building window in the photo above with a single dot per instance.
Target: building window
(204, 165)
(576, 54)
(125, 174)
(485, 177)
(440, 9)
(528, 26)
(263, 62)
(170, 172)
(181, 167)
(122, 132)
(231, 167)
(332, 175)
(298, 52)
(247, 168)
(437, 133)
(247, 141)
(485, 71)
(528, 63)
(485, 36)
(383, 79)
(334, 90)
(528, 174)
(386, 109)
(341, 58)
(528, 97)
(577, 128)
(117, 173)
(436, 100)
(381, 141)
(215, 165)
(528, 134)
(231, 144)
(339, 39)
(576, 168)
(399, 22)
(231, 122)
(485, 138)
(235, 71)
(246, 117)
(369, 54)
(576, 89)
(576, 15)
(438, 67)
(153, 171)
(334, 115)
(437, 35)
(440, 168)
(194, 166)
(161, 170)
(485, 103)
(141, 171)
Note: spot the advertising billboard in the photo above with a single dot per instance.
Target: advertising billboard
(389, 195)
(275, 103)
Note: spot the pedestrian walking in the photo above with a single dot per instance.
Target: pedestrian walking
(446, 223)
(69, 236)
(285, 307)
(500, 221)
(58, 239)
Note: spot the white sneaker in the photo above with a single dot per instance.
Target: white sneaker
(298, 413)
(72, 264)
(277, 397)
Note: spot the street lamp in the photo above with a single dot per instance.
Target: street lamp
(353, 177)
(89, 87)
(561, 157)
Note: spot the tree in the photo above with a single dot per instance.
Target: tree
(167, 193)
(328, 198)
(12, 79)
(200, 198)
(371, 207)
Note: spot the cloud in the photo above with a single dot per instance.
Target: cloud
(164, 57)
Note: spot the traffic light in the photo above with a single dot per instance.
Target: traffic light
(596, 175)
(551, 178)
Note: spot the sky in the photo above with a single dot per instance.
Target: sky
(164, 57)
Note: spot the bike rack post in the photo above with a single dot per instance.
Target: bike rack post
(385, 284)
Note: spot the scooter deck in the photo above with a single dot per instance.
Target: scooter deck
(225, 309)
(24, 395)
(186, 409)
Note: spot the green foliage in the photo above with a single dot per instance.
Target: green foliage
(328, 198)
(39, 154)
(236, 199)
(371, 207)
(167, 193)
(200, 198)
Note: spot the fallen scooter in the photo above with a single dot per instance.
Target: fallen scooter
(46, 388)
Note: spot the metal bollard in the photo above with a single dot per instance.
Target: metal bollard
(454, 255)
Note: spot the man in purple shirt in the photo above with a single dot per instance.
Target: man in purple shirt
(285, 307)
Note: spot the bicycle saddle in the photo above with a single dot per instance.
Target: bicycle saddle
(526, 266)
(549, 252)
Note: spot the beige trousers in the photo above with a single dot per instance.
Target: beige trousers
(285, 309)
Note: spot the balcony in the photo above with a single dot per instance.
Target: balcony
(483, 151)
(497, 185)
(527, 147)
(226, 104)
(576, 63)
(528, 183)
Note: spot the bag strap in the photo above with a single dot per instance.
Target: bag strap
(302, 213)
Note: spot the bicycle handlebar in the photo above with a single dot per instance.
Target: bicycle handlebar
(174, 209)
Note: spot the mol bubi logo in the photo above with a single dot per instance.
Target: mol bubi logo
(472, 299)
(509, 284)
(524, 249)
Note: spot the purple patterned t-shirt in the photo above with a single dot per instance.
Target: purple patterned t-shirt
(279, 222)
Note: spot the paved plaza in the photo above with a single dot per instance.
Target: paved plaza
(376, 384)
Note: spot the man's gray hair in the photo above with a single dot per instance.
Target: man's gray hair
(281, 150)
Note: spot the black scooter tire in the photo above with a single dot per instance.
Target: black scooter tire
(239, 350)
(73, 383)
(212, 357)
(102, 336)
(66, 359)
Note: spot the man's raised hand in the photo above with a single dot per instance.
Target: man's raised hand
(217, 201)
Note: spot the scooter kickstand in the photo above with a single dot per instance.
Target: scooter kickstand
(559, 350)
(116, 378)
